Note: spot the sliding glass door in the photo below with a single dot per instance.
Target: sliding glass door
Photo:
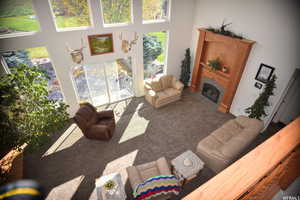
(104, 83)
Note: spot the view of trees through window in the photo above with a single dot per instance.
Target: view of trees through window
(104, 83)
(116, 11)
(38, 57)
(154, 48)
(155, 10)
(71, 13)
(17, 16)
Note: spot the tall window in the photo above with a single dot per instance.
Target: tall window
(71, 13)
(155, 10)
(17, 16)
(116, 11)
(103, 83)
(39, 57)
(154, 48)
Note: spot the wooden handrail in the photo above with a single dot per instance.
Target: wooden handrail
(243, 174)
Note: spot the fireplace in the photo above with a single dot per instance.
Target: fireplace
(211, 92)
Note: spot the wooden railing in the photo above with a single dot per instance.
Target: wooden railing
(259, 174)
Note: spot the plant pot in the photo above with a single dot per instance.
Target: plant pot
(12, 166)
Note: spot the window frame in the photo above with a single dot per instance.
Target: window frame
(80, 28)
(166, 48)
(166, 19)
(117, 24)
(6, 69)
(25, 33)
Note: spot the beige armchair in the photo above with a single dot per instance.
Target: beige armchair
(139, 174)
(163, 91)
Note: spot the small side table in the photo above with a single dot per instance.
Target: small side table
(117, 194)
(186, 166)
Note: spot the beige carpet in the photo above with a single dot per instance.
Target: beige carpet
(68, 167)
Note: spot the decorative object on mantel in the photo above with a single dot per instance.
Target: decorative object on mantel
(222, 31)
(224, 69)
(101, 44)
(76, 54)
(126, 45)
(264, 73)
(257, 110)
(186, 68)
(211, 46)
(258, 85)
(215, 64)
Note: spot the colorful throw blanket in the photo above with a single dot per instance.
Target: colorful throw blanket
(155, 186)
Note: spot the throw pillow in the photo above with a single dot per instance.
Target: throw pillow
(166, 81)
(157, 185)
(156, 86)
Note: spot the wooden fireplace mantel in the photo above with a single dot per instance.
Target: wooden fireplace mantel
(232, 53)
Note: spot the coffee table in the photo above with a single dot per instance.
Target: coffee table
(186, 166)
(118, 193)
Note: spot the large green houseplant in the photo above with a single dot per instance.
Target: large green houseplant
(27, 115)
(258, 109)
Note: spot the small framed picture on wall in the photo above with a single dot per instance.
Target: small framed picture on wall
(101, 44)
(264, 73)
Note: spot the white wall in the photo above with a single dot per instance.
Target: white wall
(273, 24)
(179, 29)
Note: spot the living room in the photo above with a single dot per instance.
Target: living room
(117, 78)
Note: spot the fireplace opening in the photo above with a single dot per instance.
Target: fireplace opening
(211, 92)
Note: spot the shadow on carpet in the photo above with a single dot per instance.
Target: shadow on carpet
(68, 166)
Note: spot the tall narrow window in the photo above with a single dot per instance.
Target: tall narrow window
(155, 10)
(17, 17)
(116, 11)
(103, 83)
(71, 13)
(39, 57)
(154, 47)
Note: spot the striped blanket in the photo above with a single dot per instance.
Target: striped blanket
(155, 186)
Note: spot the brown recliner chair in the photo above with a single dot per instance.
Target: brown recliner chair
(93, 124)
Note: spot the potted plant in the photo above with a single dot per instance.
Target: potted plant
(215, 64)
(27, 116)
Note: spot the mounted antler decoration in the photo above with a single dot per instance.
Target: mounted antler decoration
(76, 54)
(126, 45)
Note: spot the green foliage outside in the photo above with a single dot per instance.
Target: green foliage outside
(27, 115)
(257, 110)
(18, 15)
(154, 9)
(162, 37)
(71, 13)
(116, 11)
(152, 48)
(20, 23)
(10, 8)
(68, 22)
(37, 52)
(186, 68)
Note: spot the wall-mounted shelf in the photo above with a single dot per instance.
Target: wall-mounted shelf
(217, 72)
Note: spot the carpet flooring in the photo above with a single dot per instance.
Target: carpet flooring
(68, 166)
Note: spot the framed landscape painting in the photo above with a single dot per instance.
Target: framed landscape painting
(101, 44)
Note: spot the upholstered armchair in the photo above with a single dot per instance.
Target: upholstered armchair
(93, 124)
(139, 174)
(163, 91)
